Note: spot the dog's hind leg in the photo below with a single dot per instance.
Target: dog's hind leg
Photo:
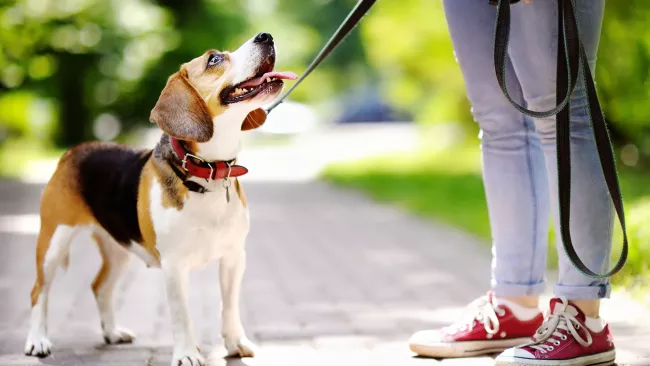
(52, 248)
(115, 260)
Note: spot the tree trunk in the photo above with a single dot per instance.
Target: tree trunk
(75, 125)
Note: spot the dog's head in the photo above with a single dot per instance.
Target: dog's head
(220, 85)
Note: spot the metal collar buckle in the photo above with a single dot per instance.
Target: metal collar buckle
(201, 160)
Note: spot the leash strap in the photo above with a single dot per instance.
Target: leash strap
(348, 24)
(571, 58)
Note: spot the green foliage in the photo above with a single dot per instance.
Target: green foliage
(408, 43)
(82, 54)
(445, 185)
(88, 61)
(623, 72)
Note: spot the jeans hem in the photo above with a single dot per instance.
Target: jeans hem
(602, 291)
(501, 289)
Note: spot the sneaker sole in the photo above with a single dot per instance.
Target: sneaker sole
(606, 358)
(466, 348)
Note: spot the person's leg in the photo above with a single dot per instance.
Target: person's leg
(514, 177)
(572, 335)
(533, 51)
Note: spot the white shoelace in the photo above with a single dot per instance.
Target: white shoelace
(484, 311)
(548, 335)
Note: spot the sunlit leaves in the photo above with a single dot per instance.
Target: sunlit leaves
(408, 42)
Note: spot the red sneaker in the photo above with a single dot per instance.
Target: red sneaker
(563, 339)
(489, 328)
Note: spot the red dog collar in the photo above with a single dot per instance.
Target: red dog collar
(207, 170)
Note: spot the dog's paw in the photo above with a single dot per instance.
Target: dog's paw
(38, 345)
(188, 358)
(239, 347)
(118, 335)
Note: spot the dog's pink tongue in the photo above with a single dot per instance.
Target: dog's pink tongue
(285, 75)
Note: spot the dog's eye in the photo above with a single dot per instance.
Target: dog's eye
(215, 59)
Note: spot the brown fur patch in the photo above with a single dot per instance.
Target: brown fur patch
(190, 146)
(206, 78)
(240, 192)
(101, 276)
(181, 112)
(144, 212)
(42, 243)
(199, 67)
(61, 204)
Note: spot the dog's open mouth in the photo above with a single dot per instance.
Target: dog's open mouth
(265, 80)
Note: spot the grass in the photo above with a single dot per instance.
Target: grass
(447, 186)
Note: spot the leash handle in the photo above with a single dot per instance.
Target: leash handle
(569, 63)
(344, 29)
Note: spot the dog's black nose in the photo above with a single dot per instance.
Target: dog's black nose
(263, 38)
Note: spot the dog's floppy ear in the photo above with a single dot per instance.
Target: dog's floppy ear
(254, 119)
(181, 112)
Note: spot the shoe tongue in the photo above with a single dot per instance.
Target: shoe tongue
(558, 306)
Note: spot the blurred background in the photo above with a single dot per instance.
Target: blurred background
(380, 133)
(77, 70)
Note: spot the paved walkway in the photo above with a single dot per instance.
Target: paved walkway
(332, 279)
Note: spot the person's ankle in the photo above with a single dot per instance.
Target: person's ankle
(523, 309)
(591, 308)
(525, 301)
(596, 325)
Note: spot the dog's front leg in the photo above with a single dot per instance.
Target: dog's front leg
(186, 352)
(231, 271)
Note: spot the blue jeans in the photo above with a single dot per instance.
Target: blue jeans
(518, 153)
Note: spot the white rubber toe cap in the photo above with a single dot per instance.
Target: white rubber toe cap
(425, 337)
(512, 354)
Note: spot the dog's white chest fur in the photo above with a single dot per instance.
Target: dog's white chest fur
(205, 229)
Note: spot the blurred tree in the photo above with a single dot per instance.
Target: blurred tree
(200, 25)
(99, 66)
(81, 53)
(79, 69)
(623, 75)
(302, 28)
(408, 43)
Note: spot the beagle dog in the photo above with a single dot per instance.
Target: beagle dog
(176, 207)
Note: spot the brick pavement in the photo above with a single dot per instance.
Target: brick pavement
(332, 279)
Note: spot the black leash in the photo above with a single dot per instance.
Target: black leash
(571, 58)
(349, 23)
